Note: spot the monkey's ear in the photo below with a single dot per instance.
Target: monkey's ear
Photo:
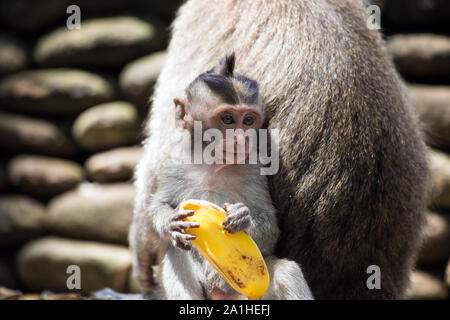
(226, 66)
(183, 121)
(180, 109)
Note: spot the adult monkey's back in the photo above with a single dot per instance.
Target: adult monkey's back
(352, 181)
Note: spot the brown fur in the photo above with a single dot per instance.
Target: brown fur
(353, 174)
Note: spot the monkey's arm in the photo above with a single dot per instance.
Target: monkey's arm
(145, 243)
(264, 227)
(147, 237)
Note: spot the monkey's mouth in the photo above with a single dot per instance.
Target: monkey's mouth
(235, 153)
(235, 156)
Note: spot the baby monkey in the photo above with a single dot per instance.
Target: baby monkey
(218, 99)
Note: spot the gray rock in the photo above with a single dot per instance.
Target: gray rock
(424, 286)
(43, 263)
(93, 212)
(13, 56)
(416, 12)
(138, 78)
(101, 42)
(440, 174)
(433, 106)
(54, 91)
(43, 176)
(421, 56)
(24, 134)
(114, 165)
(107, 126)
(21, 219)
(436, 243)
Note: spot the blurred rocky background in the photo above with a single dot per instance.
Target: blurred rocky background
(72, 107)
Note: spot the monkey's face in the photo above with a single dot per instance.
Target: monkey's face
(229, 109)
(235, 117)
(238, 125)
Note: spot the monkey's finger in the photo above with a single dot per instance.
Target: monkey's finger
(181, 240)
(238, 219)
(181, 236)
(181, 245)
(236, 222)
(190, 237)
(182, 225)
(231, 228)
(238, 213)
(181, 214)
(232, 207)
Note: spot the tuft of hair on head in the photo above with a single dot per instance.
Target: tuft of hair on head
(226, 65)
(230, 87)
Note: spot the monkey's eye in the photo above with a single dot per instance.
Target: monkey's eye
(248, 120)
(227, 119)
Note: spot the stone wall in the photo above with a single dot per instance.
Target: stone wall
(72, 107)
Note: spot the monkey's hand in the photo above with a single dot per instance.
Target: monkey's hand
(238, 217)
(177, 227)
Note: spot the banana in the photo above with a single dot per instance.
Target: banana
(235, 256)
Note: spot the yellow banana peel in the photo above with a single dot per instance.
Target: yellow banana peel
(235, 256)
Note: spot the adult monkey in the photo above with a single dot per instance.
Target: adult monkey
(353, 175)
